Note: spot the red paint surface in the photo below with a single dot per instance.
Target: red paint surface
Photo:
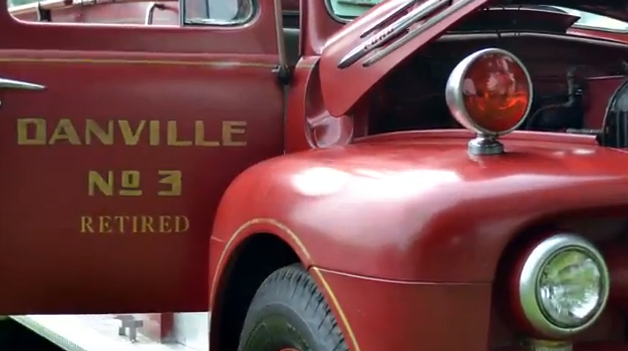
(146, 73)
(592, 33)
(618, 265)
(437, 207)
(416, 183)
(411, 209)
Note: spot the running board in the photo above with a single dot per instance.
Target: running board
(118, 332)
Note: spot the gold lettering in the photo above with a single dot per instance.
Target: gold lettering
(86, 224)
(26, 138)
(147, 224)
(65, 131)
(165, 224)
(130, 183)
(33, 131)
(173, 180)
(153, 135)
(104, 224)
(172, 137)
(181, 224)
(137, 224)
(231, 128)
(93, 129)
(199, 135)
(121, 222)
(95, 180)
(131, 136)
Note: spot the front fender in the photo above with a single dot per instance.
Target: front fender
(417, 209)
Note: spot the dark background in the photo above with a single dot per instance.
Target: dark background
(15, 337)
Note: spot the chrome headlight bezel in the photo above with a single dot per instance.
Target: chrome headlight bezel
(530, 275)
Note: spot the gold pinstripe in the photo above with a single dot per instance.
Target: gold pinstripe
(325, 285)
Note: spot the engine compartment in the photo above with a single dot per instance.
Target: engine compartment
(573, 79)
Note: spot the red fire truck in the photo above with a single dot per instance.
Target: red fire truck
(268, 175)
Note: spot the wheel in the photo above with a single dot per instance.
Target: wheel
(289, 313)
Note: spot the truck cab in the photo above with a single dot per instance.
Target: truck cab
(273, 175)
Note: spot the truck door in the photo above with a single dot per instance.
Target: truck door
(116, 144)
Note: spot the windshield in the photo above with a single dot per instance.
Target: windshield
(349, 9)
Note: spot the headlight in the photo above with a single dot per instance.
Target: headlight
(563, 285)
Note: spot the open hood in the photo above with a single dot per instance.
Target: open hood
(365, 50)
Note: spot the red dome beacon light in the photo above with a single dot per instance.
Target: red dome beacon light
(489, 92)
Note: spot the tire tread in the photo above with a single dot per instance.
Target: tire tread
(303, 295)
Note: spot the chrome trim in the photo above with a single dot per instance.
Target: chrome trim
(250, 16)
(391, 31)
(392, 14)
(484, 145)
(19, 85)
(530, 274)
(547, 345)
(416, 32)
(281, 45)
(16, 84)
(486, 142)
(150, 12)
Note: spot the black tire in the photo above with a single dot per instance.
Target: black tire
(289, 312)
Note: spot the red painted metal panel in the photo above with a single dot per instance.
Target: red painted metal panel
(127, 110)
(341, 97)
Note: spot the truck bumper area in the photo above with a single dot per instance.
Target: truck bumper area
(104, 332)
